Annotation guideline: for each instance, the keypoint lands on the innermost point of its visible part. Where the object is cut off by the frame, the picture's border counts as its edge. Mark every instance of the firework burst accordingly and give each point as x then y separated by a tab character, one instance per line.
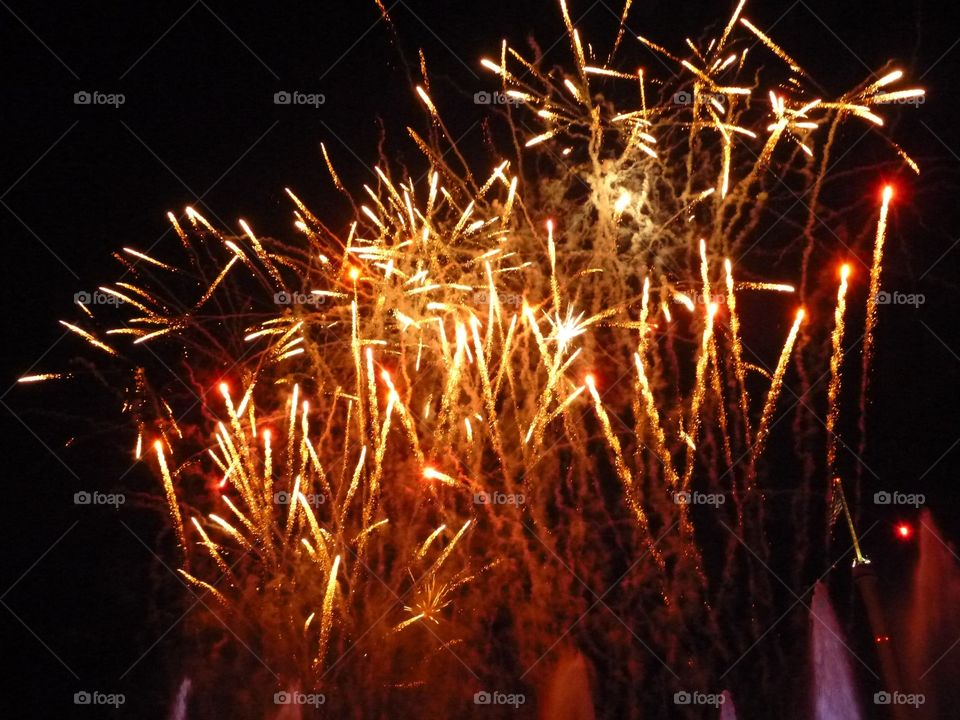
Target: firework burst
415	420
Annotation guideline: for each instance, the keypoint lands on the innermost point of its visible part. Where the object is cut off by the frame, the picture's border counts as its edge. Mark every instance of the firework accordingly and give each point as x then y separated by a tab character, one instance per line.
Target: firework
776	385
392	378
836	359
876	268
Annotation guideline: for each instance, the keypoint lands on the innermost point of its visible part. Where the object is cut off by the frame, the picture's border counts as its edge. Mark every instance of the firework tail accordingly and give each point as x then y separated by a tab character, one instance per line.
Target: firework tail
836	360
876	268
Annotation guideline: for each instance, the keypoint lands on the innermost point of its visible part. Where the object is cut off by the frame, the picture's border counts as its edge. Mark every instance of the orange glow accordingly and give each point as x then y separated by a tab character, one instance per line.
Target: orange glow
433	474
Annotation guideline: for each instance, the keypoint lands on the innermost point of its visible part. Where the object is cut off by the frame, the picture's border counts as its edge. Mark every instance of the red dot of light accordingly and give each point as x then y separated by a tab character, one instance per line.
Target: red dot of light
904	531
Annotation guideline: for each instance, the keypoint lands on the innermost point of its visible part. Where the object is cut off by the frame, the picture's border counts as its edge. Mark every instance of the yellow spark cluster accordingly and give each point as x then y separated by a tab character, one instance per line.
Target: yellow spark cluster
455	340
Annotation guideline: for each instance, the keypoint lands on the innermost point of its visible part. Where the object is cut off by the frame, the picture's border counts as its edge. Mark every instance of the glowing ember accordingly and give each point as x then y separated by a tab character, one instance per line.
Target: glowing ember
904	531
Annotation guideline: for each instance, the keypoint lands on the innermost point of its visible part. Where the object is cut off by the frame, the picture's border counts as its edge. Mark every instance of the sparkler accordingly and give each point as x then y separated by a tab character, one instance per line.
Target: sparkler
335	492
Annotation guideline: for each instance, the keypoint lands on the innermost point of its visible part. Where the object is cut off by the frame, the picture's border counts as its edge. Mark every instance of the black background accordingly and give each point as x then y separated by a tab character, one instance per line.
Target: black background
84	600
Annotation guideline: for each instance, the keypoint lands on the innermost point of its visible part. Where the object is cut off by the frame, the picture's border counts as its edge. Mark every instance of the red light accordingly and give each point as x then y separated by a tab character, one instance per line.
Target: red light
904	531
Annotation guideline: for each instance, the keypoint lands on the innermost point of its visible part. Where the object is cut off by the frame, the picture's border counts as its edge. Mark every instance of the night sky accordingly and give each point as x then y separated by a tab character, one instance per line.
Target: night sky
86	602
